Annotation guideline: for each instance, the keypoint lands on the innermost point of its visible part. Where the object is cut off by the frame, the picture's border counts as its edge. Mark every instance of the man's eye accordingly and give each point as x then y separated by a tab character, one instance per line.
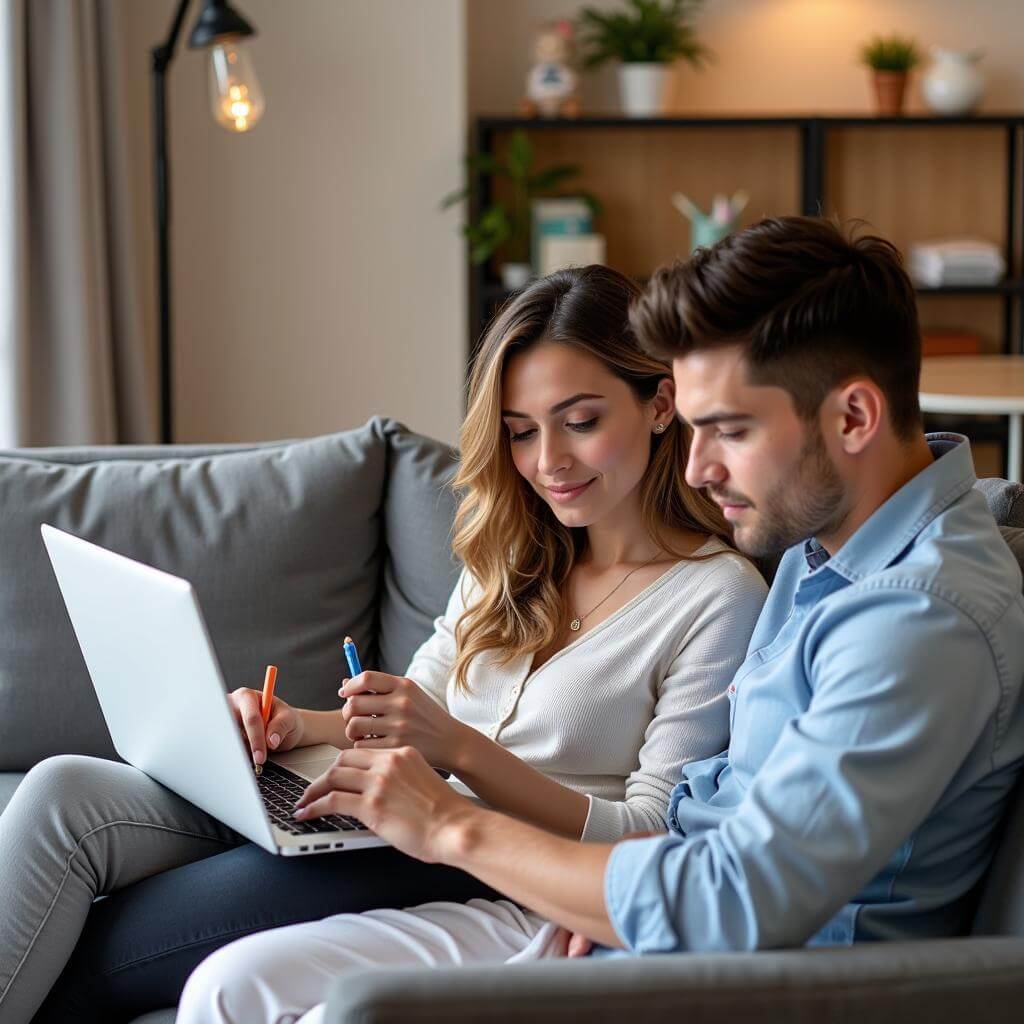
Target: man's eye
734	436
522	435
584	426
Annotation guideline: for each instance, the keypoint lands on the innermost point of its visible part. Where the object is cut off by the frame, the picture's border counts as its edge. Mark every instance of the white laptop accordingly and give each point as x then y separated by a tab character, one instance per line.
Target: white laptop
163	696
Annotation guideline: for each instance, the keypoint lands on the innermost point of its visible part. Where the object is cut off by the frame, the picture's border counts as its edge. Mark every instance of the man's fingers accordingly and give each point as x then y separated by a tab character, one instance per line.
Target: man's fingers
333	803
579	945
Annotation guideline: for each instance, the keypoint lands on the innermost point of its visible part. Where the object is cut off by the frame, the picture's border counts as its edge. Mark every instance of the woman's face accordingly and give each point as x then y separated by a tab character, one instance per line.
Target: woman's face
578	434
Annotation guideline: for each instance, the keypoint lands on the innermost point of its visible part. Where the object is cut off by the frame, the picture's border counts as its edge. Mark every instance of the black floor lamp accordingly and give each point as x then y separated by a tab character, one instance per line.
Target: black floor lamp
237	103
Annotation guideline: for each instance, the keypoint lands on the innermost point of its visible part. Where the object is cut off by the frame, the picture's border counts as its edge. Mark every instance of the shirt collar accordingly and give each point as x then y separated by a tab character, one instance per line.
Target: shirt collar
895	523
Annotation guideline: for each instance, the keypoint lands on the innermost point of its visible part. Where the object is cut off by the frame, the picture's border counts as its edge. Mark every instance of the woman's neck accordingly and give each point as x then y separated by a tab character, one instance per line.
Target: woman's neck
620	539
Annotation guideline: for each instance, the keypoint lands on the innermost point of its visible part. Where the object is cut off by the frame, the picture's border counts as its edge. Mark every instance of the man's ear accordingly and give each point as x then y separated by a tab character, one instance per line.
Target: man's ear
855	414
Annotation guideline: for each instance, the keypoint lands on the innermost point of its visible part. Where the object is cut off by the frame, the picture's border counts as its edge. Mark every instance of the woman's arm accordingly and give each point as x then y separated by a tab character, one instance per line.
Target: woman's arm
511	785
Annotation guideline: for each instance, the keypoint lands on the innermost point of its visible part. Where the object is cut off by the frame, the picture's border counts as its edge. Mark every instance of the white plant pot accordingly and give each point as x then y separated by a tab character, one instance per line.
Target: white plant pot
642	89
515	275
953	84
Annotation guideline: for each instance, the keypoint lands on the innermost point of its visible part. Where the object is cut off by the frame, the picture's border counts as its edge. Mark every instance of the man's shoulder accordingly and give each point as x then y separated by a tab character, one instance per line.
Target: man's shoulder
960	558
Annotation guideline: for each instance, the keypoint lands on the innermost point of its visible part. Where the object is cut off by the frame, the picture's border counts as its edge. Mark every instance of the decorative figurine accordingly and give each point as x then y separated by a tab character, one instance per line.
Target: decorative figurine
712	227
551	84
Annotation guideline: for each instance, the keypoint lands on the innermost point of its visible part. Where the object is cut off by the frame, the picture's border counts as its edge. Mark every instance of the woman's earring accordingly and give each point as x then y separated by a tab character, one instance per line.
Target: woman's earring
660	428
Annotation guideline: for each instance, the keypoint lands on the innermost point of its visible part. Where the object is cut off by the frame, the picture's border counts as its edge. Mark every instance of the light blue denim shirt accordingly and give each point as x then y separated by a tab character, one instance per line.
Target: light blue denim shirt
876	731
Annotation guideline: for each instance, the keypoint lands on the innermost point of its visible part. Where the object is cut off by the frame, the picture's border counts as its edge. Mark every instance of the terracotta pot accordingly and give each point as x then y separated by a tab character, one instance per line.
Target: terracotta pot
889	89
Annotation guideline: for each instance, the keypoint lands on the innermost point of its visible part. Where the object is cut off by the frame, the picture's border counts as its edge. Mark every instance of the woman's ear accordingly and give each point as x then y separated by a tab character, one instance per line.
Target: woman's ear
664	402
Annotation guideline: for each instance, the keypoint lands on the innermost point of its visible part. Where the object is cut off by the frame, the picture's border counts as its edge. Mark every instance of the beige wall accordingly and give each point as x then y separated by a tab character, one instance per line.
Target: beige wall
315	281
771	55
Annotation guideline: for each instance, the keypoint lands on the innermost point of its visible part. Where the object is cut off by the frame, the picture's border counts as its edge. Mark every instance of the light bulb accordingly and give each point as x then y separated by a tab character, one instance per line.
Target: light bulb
235	92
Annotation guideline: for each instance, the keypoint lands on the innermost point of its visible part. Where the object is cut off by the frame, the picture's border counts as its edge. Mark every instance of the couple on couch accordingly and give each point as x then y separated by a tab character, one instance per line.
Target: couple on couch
673	761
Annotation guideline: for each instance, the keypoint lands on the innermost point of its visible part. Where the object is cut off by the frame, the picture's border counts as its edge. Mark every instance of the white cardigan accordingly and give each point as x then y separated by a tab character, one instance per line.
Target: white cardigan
618	712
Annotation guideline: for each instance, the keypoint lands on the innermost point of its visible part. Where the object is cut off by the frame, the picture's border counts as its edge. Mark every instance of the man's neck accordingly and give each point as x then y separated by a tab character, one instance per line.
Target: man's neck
894	470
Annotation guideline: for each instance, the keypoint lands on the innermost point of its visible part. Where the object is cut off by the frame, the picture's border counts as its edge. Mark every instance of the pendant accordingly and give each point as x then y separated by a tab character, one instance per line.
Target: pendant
575	625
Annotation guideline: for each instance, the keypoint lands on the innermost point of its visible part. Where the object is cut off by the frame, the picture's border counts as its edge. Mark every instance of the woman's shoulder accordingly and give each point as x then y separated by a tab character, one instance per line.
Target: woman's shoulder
717	566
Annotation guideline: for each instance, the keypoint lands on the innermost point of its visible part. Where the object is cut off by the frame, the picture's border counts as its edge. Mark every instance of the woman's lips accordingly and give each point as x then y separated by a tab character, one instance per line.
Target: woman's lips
564	495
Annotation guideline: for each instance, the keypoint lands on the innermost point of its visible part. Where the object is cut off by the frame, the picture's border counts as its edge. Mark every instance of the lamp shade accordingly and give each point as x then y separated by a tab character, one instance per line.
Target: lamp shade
218	21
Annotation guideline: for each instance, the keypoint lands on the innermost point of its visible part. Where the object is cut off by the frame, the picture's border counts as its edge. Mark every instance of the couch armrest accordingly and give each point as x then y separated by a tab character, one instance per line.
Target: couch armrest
942	981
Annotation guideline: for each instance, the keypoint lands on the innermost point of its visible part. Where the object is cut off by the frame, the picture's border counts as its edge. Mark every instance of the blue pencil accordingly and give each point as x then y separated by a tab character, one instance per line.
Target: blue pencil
352	657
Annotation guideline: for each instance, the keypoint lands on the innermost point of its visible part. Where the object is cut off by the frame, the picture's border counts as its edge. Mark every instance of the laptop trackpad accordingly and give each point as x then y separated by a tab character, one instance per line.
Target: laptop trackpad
309	762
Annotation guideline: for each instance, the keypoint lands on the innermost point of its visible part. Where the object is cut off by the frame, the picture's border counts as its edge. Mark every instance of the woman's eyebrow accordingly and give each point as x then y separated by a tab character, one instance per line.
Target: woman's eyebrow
558	407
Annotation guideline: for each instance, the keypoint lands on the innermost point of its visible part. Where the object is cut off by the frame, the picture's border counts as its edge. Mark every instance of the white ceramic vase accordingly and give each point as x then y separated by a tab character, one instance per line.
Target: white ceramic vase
642	89
953	84
515	275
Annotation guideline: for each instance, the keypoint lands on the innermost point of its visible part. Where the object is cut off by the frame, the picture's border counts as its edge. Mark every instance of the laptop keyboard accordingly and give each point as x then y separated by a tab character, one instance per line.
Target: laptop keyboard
281	788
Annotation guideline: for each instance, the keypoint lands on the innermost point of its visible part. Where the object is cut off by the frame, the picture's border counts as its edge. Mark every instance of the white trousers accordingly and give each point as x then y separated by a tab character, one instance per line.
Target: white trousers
283	976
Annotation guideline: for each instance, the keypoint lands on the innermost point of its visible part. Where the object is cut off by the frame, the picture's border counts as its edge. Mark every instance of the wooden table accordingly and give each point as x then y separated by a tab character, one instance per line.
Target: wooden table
979	385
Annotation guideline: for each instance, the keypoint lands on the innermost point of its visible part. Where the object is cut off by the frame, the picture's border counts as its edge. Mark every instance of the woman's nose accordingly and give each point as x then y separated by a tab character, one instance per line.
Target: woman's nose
553	456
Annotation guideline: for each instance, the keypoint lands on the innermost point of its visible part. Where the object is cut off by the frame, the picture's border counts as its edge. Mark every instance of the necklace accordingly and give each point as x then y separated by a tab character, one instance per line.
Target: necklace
578	621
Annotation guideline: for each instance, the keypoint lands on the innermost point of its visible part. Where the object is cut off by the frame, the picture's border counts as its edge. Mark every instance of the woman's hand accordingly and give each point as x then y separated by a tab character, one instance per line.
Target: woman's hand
284	727
385	712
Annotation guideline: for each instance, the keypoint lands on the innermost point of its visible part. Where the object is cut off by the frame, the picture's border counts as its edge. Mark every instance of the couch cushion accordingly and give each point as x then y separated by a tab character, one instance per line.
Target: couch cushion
1006	500
419	571
1001	909
281	542
9	782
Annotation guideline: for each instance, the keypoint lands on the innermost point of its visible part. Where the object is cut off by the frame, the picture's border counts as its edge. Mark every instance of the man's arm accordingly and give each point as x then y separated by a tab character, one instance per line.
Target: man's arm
903	686
400	797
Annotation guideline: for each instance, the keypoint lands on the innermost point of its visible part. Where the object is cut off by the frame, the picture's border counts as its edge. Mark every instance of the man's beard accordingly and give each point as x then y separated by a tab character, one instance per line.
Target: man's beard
810	500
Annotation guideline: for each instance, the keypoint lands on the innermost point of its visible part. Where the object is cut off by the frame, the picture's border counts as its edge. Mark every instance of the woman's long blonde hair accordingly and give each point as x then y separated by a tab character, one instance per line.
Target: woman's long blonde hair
514	548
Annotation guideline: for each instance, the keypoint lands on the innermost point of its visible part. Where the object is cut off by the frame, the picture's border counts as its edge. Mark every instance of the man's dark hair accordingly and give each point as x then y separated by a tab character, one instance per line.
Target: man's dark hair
811	304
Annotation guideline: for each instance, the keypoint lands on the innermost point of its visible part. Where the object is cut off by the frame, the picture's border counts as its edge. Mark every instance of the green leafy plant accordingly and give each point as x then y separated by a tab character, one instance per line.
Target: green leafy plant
647	31
890	53
507	225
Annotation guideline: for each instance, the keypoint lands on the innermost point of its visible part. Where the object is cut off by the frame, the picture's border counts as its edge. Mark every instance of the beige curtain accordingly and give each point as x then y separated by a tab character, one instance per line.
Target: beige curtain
77	350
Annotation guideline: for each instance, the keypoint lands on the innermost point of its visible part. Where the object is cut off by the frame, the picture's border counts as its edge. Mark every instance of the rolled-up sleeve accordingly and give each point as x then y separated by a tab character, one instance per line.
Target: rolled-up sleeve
902	685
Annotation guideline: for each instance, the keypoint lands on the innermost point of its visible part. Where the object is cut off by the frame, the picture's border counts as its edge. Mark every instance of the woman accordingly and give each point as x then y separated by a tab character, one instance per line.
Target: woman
583	657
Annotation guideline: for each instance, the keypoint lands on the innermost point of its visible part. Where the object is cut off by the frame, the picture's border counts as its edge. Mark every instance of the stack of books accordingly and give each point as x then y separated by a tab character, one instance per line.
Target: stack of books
562	235
959	262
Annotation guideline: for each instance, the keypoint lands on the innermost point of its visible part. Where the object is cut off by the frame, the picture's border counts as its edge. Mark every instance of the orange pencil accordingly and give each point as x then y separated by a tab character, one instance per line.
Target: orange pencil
268	693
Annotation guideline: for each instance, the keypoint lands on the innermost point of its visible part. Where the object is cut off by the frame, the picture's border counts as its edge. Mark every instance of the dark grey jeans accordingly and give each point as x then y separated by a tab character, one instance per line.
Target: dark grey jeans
178	885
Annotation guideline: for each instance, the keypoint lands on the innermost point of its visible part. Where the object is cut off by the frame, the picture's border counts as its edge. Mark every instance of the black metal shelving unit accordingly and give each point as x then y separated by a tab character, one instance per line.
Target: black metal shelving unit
487	294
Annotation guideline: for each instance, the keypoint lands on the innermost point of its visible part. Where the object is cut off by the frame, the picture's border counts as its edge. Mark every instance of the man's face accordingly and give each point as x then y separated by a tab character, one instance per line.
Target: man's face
770	472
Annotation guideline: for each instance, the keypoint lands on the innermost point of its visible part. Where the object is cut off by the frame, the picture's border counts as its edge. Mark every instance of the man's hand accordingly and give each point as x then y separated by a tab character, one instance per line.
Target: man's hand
395	793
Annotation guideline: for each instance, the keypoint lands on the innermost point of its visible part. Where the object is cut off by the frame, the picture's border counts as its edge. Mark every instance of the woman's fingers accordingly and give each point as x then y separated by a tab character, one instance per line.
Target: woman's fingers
364	728
370	682
368	704
378	743
252	724
280	726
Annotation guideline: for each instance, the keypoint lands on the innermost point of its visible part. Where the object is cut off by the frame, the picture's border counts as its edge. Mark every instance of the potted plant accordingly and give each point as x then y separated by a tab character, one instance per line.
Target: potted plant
503	228
891	59
645	38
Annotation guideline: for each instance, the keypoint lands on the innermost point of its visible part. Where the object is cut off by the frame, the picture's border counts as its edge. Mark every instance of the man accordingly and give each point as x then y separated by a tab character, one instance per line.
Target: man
876	726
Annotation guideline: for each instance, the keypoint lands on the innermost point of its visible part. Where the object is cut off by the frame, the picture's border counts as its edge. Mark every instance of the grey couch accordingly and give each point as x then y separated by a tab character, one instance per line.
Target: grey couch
353	530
